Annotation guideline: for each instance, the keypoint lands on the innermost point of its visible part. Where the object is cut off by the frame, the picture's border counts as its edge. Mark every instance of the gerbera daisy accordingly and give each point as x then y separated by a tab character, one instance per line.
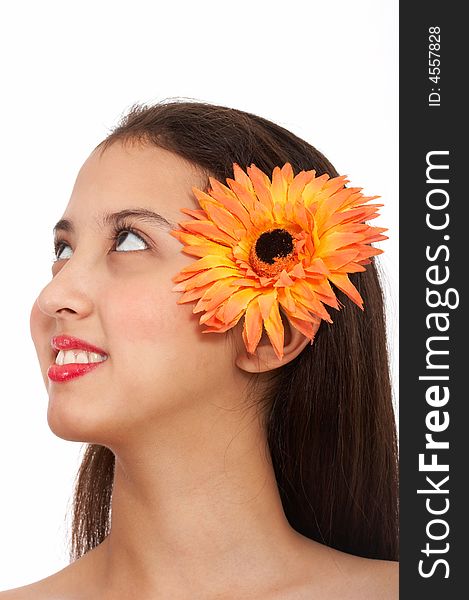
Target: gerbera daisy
269	245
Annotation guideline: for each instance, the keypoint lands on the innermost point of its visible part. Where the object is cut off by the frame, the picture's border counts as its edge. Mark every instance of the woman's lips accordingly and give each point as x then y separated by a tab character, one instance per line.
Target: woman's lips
61	373
70	342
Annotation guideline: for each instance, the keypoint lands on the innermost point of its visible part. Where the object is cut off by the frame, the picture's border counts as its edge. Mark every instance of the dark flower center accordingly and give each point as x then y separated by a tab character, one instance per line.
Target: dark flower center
272	252
275	243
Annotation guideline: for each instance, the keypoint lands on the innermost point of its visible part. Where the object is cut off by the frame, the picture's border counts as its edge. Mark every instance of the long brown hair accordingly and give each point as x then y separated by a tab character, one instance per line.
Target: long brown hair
329	416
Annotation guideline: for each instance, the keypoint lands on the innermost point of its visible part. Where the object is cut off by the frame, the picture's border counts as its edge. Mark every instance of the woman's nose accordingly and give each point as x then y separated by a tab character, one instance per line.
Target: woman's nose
68	294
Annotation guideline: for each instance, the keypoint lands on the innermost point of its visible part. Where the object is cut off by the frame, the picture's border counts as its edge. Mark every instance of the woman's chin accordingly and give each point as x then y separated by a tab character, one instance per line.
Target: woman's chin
74	423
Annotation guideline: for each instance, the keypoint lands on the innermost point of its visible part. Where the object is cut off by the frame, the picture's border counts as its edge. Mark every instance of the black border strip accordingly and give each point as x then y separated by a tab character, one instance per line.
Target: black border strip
434	360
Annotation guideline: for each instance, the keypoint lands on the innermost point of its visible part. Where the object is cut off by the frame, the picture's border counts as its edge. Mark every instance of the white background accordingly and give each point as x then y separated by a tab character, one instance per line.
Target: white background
326	71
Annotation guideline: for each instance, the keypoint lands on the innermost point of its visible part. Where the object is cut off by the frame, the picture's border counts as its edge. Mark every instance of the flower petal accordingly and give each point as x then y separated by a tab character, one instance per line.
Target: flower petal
209	230
262	185
252	328
272	320
237	302
208	262
208	276
304	327
215	294
342	281
340	258
222	218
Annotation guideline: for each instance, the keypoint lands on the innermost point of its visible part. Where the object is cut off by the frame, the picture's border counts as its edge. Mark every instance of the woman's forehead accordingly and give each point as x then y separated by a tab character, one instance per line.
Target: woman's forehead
126	176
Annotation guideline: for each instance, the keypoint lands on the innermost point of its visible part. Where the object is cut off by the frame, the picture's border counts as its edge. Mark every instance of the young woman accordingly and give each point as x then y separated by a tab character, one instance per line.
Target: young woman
257	461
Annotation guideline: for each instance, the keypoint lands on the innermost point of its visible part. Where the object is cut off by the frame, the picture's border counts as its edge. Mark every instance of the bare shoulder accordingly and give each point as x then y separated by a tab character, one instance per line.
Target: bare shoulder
52	587
24	592
366	578
36	590
336	575
73	582
379	579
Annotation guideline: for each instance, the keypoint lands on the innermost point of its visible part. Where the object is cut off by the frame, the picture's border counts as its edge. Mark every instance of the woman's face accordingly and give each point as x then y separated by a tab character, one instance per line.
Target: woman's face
116	294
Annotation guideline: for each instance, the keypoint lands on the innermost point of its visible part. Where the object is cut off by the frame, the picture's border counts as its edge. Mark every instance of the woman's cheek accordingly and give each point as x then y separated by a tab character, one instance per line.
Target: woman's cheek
139	314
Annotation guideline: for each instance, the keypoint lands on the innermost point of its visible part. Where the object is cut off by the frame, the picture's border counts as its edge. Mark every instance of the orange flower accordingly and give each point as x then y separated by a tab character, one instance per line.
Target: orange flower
266	244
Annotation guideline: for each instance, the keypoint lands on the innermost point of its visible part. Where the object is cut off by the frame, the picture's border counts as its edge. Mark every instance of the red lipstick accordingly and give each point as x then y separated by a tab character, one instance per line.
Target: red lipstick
61	373
69	342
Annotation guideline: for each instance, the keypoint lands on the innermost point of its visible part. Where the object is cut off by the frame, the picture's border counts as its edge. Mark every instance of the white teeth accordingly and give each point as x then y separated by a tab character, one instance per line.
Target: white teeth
81	357
77	356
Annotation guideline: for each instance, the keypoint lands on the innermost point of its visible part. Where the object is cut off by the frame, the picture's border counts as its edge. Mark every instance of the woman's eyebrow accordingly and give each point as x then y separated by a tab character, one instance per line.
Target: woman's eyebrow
116	218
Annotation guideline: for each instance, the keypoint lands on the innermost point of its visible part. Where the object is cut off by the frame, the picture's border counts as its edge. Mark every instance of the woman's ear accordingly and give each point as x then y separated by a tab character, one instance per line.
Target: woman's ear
264	358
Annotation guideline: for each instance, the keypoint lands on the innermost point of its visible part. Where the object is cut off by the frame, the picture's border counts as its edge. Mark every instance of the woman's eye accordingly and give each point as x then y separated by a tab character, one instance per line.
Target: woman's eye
59	246
126	237
141	241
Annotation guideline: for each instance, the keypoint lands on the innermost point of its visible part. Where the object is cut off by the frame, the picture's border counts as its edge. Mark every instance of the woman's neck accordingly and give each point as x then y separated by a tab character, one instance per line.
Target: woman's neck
195	506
